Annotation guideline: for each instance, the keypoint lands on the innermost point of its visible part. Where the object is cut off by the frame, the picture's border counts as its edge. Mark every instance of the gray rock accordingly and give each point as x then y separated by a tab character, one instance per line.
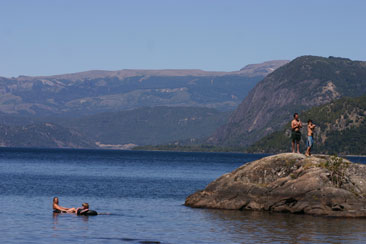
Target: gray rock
316	185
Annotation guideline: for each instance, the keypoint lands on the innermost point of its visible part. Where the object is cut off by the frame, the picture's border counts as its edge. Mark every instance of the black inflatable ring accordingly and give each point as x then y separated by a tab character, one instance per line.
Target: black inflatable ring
88	213
58	211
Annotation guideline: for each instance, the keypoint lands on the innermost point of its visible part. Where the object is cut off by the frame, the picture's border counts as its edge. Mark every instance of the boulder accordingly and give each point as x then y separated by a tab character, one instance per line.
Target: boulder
289	182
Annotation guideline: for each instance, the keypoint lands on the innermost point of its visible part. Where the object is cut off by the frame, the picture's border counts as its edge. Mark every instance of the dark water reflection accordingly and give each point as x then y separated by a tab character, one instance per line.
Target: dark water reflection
265	227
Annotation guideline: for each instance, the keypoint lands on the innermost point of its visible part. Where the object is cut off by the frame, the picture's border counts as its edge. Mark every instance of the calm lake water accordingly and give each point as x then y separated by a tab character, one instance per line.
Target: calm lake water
143	195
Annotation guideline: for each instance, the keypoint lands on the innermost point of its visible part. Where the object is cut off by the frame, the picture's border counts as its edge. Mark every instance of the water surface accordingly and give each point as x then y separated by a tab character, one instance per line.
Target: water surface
142	194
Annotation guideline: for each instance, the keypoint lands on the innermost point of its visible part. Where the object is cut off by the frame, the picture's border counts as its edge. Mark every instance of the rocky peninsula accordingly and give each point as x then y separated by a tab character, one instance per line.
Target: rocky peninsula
317	185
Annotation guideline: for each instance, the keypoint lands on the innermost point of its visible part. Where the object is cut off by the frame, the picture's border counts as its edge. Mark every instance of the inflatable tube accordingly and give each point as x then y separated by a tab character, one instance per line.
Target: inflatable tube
88	213
58	211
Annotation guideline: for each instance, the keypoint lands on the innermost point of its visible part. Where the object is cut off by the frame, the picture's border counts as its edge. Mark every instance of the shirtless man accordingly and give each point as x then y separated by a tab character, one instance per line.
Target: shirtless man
296	133
310	140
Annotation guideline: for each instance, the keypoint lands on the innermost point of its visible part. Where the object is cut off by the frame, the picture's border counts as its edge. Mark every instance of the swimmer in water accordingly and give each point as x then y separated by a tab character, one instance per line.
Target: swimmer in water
57	208
83	209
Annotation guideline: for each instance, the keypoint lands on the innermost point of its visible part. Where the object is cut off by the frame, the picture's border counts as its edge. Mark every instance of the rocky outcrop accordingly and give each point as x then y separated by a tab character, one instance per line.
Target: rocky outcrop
316	185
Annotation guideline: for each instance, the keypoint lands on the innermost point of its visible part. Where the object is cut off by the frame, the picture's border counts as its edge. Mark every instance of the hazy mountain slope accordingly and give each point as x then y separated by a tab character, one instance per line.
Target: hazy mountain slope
100	91
16	120
341	129
304	82
149	126
251	70
44	135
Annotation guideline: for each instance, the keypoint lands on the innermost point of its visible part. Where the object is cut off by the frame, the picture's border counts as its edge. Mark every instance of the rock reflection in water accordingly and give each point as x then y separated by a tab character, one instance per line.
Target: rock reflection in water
266	227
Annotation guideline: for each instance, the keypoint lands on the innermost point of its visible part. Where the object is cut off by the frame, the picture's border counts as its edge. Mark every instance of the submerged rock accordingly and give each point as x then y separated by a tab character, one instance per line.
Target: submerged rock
317	185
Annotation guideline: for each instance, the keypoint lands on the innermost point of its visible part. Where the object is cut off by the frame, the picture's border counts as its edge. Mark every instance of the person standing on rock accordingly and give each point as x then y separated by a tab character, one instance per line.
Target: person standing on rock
296	133
310	140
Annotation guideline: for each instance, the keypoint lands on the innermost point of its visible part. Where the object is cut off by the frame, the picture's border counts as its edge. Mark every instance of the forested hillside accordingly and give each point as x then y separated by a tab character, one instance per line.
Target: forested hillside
149	126
341	129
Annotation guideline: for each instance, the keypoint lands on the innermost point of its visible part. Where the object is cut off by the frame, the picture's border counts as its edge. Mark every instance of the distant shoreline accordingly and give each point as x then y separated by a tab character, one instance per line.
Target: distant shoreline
153	150
220	150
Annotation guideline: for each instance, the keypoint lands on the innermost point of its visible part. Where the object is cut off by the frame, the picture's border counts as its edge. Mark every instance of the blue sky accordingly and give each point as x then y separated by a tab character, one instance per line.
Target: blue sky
55	37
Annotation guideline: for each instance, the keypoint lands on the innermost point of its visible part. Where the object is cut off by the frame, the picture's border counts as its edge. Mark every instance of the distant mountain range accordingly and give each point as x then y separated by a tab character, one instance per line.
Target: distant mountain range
119	109
189	109
303	83
99	91
341	129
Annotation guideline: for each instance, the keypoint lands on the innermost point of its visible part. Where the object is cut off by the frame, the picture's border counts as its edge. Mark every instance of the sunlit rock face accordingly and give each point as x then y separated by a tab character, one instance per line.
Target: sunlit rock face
316	185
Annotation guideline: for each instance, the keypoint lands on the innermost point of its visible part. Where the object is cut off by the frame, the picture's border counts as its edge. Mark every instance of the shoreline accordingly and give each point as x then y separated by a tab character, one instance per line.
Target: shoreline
161	150
228	151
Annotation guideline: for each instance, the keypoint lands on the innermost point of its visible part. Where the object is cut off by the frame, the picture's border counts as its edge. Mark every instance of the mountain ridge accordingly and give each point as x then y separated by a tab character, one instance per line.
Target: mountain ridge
103	91
253	69
304	82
